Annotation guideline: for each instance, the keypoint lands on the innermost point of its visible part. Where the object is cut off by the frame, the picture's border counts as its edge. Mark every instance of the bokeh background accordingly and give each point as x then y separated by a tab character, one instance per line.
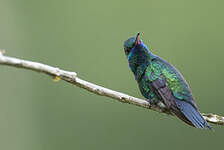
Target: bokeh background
87	37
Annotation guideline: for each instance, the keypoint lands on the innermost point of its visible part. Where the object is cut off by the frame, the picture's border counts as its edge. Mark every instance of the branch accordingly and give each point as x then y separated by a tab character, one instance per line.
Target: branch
71	77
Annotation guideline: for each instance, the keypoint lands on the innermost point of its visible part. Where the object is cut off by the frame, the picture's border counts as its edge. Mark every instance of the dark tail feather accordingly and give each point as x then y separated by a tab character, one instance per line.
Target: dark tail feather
190	115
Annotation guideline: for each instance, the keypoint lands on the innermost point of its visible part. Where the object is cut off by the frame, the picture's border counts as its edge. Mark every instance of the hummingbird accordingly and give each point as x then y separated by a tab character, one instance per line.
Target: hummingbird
159	81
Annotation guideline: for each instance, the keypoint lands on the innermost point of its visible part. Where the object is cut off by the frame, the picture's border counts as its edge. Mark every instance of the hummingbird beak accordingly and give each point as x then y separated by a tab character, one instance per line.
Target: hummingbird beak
137	41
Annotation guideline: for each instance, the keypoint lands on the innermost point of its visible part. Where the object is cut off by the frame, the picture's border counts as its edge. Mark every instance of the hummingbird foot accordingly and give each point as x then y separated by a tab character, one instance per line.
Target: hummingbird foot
150	102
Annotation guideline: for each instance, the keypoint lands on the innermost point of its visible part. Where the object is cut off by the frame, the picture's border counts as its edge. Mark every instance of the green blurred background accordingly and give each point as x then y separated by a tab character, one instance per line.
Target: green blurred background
87	37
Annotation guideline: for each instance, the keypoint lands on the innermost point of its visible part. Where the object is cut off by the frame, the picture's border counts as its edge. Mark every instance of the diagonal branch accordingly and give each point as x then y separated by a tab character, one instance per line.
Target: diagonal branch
72	78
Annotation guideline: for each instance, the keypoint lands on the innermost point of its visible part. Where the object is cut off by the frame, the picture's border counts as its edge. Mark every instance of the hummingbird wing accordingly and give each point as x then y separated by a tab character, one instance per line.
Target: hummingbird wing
174	80
182	109
169	85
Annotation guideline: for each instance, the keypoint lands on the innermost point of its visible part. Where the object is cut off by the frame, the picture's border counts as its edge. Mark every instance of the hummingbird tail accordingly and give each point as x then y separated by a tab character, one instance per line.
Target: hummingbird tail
190	115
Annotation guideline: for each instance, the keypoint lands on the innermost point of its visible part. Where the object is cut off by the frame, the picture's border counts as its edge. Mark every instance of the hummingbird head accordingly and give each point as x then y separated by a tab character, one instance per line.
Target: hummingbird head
130	43
137	53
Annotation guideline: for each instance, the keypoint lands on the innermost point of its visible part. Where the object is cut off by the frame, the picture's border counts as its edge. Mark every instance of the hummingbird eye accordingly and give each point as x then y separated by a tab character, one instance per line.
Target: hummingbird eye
127	51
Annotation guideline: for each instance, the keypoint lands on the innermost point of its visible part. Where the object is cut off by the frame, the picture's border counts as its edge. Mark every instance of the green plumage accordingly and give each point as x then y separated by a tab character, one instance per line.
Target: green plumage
160	81
158	69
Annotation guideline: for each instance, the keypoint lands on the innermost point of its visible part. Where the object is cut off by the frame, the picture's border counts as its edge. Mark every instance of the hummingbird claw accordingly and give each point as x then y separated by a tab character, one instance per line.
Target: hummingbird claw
150	103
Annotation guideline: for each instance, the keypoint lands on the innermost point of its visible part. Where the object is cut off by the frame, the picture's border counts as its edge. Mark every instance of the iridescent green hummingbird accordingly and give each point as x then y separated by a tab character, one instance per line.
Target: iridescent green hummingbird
160	81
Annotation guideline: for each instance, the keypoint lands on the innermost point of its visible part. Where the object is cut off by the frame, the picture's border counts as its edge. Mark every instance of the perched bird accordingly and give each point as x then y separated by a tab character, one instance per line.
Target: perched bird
160	81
